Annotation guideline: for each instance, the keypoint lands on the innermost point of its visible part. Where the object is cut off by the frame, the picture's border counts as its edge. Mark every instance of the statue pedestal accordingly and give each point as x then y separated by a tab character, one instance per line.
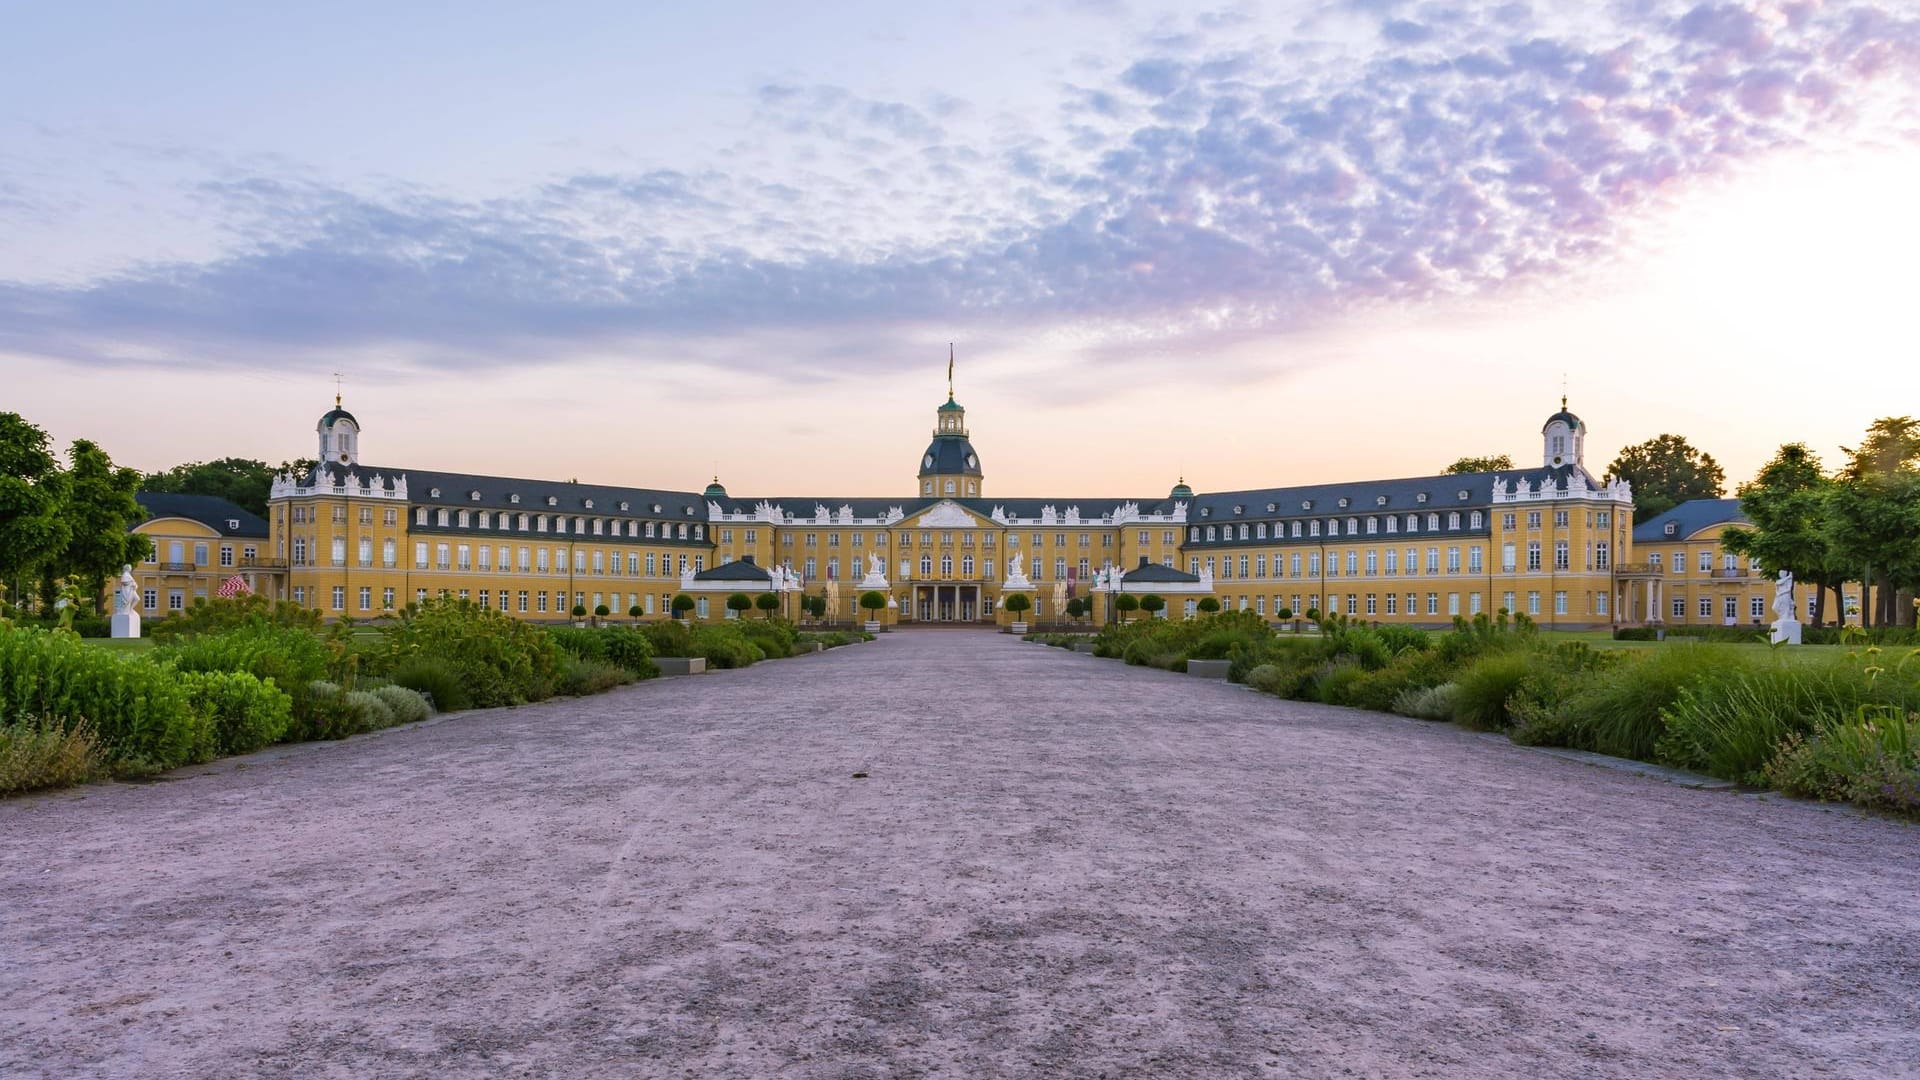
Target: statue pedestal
126	624
1786	632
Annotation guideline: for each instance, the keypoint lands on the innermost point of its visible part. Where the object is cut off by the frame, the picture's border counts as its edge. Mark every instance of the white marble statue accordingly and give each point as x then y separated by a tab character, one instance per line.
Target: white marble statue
1016	567
1786	627
1206	578
127	596
876	572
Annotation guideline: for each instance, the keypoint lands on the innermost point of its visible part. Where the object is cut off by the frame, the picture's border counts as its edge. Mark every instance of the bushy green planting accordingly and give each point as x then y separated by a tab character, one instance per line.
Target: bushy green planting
244	713
290	657
1430	703
37	753
630	650
138	709
407	706
500	660
775	638
580	677
1867	759
220	614
726	645
435	678
1732	724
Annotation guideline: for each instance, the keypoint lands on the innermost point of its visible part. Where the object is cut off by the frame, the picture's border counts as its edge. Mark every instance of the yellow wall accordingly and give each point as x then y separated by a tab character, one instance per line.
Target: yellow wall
190	561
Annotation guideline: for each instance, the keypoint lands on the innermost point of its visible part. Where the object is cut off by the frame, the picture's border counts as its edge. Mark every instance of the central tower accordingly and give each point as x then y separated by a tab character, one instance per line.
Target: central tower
950	469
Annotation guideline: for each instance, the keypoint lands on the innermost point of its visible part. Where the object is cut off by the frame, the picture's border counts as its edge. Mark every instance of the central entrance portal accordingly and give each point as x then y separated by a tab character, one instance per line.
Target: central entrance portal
947	603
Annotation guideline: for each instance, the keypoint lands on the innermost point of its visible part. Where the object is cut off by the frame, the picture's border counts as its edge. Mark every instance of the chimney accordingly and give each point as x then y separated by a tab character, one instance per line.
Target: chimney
748	559
1143	561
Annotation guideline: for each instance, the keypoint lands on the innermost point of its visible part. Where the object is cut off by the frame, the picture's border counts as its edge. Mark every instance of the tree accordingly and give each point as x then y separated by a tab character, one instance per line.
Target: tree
1495	463
1666	471
579	611
682	603
1124	603
873	600
1076	607
767	602
1017	603
33	531
1152	605
242	481
1787	501
739	603
99	508
1873	517
634	612
1208	605
601	611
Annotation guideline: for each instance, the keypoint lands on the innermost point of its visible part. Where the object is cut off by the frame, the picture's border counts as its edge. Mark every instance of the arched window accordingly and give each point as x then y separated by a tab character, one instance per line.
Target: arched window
946	565
1453	519
973	488
1433	522
926	566
926	487
966	566
949	489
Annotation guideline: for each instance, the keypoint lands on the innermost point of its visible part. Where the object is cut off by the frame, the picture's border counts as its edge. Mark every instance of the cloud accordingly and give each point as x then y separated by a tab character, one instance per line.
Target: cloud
1213	188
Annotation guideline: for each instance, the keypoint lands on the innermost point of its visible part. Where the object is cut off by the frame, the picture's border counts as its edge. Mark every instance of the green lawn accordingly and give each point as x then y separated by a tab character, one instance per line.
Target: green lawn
139	644
1603	639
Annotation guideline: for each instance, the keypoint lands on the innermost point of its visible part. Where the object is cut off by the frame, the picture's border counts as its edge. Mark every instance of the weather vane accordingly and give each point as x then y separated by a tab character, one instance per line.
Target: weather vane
337	379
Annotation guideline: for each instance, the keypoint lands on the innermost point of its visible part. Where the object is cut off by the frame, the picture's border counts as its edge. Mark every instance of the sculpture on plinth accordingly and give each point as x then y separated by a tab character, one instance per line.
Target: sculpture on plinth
876	573
1786	628
1017	580
126	605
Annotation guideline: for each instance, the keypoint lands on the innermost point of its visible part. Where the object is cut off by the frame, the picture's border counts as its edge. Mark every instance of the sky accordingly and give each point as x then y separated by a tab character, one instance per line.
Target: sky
1250	245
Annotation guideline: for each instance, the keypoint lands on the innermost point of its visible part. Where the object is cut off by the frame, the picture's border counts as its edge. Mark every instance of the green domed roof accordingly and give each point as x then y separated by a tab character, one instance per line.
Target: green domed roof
951	405
1181	490
715	491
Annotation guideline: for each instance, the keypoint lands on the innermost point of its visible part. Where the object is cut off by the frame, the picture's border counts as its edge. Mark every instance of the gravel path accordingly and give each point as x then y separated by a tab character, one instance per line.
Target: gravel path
1057	866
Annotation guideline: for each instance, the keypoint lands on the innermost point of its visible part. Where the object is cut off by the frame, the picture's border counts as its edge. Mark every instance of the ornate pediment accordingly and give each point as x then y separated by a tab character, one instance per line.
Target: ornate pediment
950	515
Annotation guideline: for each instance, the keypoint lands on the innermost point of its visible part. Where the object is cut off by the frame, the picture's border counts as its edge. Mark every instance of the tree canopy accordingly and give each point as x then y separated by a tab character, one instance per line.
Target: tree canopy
1494	463
1666	471
242	481
33	532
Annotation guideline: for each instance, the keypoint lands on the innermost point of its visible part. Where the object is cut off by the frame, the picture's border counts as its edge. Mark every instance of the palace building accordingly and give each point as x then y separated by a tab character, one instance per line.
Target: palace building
1549	540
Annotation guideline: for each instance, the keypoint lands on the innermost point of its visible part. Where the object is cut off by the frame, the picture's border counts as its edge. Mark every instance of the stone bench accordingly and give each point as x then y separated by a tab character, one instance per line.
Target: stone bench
1208	669
681	665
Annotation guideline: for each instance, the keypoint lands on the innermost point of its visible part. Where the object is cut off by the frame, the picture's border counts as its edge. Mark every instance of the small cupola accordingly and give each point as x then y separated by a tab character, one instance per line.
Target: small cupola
1563	439
715	491
1181	490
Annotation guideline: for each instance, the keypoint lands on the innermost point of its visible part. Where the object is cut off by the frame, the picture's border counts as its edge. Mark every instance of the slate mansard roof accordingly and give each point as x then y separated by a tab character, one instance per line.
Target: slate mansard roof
499	492
215	513
1155	574
1379	496
1689	518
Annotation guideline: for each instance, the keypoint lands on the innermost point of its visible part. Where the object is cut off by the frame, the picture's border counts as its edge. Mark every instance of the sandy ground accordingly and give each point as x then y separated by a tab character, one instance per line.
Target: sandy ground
1057	866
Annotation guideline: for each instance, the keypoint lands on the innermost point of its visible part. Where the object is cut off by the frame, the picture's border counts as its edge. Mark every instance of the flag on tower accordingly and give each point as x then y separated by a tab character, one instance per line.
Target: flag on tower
234	586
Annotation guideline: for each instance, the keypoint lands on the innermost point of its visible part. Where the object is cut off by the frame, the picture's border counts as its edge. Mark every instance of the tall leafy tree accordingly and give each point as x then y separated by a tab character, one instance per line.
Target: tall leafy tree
1873	519
1666	471
1787	503
33	532
99	509
242	481
1496	463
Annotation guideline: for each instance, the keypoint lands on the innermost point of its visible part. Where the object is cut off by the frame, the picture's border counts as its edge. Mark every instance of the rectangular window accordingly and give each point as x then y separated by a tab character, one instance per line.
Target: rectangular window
1706	607
1757	608
1533	603
1679	609
1508	558
1600	603
339	597
150	599
1453	560
1453	603
1393	599
1433	603
366	598
1393	562
1372	604
1506	603
420	555
1706	562
176	599
1533	555
1560	603
1474	564
1473	603
1562	557
386	598
1433	560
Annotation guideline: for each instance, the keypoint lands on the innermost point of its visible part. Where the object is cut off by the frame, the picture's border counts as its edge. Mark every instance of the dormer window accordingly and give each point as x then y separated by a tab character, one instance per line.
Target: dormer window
433	493
1379	500
1672	528
623	506
1306	504
1463	495
1206	511
1420	498
473	496
1343	502
514	499
589	503
656	508
1272	507
553	500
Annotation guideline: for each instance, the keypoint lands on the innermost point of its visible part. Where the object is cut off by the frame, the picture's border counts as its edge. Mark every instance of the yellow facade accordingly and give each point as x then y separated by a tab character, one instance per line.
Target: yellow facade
198	543
363	541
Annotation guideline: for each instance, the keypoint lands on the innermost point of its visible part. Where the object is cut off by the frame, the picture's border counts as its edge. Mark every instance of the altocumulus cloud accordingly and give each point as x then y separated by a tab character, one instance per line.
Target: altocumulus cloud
1209	184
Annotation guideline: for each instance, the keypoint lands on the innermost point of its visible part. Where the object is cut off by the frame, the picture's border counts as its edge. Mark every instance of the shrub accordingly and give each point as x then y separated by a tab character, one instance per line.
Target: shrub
500	660
740	603
339	713
243	713
291	657
406	706
1431	703
1868	759
775	638
630	650
1484	688
434	679
1152	605
1335	681
36	753
768	603
1018	604
137	708
374	710
221	614
579	611
1732	724
1208	605
579	642
672	638
725	646
682	603
581	677
635	611
1621	714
